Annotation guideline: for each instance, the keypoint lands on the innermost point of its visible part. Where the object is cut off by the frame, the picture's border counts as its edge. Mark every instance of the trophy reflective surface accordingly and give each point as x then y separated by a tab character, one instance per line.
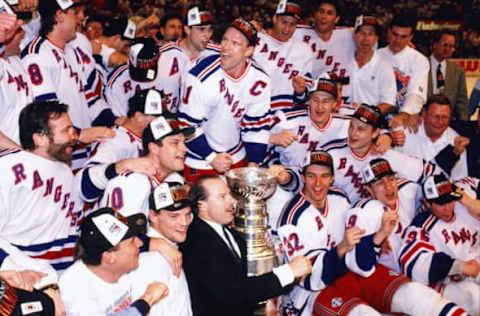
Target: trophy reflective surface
251	187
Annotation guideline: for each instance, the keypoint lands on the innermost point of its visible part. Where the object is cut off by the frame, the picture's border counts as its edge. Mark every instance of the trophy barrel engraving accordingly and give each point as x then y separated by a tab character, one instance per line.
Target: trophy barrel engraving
251	187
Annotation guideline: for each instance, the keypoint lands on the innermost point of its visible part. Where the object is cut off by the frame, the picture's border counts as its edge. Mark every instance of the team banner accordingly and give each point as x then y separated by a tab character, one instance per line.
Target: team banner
470	65
430	25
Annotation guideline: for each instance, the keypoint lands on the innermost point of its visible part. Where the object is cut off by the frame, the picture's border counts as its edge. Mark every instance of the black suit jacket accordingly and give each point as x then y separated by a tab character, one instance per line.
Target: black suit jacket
217	280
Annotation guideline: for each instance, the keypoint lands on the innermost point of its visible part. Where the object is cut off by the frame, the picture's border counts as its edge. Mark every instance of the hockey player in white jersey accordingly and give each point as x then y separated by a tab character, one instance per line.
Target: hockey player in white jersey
121	153
441	246
372	80
164	144
227	97
148	67
54	72
398	197
332	47
35	179
411	70
15	89
351	155
311	226
283	57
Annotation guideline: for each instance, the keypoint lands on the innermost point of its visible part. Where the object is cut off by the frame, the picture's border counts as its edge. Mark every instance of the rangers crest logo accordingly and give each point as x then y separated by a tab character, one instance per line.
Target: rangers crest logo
337	302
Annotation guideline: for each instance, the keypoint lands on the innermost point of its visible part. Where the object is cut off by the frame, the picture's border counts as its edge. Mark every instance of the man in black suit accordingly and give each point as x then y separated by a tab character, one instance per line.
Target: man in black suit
215	258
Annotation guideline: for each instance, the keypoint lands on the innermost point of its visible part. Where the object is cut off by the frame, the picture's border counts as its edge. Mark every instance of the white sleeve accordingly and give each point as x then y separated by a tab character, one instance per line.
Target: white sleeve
388	91
417	87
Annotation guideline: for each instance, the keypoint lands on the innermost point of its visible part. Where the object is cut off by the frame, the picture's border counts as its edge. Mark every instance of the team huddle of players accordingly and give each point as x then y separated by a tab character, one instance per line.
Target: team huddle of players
374	201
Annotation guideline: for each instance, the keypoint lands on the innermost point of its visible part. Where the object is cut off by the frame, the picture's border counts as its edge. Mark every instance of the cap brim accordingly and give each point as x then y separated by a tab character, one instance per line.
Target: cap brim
447	198
383	174
178	205
187	132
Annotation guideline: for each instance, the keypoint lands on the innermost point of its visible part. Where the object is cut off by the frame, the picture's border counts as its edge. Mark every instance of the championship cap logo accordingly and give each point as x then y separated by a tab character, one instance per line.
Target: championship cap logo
160	127
162	196
110	227
153	102
65	4
5	8
130	30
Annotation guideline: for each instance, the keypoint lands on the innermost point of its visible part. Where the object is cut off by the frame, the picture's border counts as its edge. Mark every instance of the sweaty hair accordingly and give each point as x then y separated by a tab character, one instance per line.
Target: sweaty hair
438	99
405	20
198	191
34	118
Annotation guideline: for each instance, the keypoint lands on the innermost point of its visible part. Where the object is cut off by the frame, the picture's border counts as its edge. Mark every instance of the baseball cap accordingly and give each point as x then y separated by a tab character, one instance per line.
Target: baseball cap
362	20
369	114
440	190
324	83
122	26
170	196
162	127
105	228
144	56
375	170
318	157
291	8
199	16
247	29
149	102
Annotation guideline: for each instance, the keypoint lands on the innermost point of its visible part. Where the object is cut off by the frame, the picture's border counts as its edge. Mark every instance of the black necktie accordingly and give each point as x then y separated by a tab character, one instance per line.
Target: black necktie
227	237
440	78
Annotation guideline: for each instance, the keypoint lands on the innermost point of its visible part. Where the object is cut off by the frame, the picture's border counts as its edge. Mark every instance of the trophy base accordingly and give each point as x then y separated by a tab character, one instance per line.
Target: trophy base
261	262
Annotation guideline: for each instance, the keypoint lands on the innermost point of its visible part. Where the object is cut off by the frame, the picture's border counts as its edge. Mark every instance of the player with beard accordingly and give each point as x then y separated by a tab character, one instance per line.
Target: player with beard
35	179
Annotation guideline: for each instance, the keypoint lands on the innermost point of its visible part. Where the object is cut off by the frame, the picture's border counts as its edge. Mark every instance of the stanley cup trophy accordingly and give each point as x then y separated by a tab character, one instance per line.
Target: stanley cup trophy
251	187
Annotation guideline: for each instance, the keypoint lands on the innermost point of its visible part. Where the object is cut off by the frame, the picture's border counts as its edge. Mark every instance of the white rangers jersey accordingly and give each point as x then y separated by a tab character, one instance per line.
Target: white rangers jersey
348	166
56	73
420	145
129	193
373	83
332	56
431	245
40	210
121	87
85	294
411	73
367	214
283	61
470	185
310	135
15	94
305	230
100	112
230	114
125	144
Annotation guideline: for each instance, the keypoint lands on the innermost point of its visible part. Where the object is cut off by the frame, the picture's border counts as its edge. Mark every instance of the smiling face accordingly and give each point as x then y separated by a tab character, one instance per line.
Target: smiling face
321	105
235	50
436	119
62	138
385	190
170	155
283	27
317	179
325	18
218	206
172	224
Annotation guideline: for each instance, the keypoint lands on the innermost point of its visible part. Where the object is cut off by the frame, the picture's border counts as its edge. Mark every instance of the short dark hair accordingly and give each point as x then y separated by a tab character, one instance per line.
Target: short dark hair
47	22
34	118
405	20
438	35
198	191
438	99
316	5
79	253
170	15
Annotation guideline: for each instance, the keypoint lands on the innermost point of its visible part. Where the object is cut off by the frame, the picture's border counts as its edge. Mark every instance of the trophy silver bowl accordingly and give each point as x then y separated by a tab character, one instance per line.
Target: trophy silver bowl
251	187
